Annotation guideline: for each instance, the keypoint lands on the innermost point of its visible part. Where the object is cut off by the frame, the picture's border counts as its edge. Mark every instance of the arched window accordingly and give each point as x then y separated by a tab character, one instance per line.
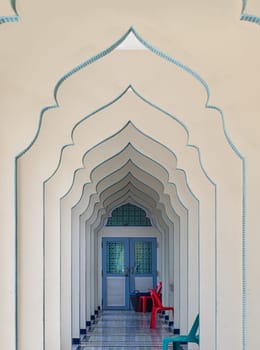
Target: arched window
128	215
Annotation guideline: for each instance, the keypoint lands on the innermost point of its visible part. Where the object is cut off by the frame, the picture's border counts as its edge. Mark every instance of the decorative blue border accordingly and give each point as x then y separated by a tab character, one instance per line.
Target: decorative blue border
149	137
138	203
189	145
10	19
128	145
153	50
247	17
119	169
137	167
207	106
130	174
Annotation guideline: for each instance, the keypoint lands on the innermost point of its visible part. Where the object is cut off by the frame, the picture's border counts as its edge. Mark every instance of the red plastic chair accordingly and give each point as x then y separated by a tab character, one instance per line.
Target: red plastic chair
142	305
157	306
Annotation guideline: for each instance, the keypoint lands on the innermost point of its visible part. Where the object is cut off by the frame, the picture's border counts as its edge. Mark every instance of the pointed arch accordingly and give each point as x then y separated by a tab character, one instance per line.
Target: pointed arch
42	177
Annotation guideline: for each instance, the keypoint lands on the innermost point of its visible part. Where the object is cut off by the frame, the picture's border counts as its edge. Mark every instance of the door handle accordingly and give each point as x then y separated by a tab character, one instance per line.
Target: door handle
126	271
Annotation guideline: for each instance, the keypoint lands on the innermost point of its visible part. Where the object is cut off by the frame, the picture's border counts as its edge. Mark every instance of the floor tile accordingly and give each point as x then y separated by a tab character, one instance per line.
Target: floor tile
124	330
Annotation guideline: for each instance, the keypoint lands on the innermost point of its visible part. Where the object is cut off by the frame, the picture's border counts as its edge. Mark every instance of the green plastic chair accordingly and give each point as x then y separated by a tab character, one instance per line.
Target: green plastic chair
192	337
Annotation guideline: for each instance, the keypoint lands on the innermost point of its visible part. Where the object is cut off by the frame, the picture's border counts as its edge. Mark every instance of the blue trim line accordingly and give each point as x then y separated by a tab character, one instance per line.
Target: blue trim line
13	4
207	105
130	87
243	5
10	19
123	196
106	52
129	174
250	18
247	17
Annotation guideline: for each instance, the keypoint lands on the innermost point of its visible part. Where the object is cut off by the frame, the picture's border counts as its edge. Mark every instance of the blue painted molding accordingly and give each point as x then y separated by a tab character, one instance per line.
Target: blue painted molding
138	95
6	19
10	19
129	175
127	188
109	50
206	105
123	197
124	193
248	17
13	4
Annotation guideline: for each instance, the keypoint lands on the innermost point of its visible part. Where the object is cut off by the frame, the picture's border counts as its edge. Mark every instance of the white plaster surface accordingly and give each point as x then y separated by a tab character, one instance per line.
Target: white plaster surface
53	37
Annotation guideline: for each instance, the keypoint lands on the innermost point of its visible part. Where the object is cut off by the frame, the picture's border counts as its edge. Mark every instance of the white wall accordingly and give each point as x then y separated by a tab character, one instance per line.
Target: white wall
51	39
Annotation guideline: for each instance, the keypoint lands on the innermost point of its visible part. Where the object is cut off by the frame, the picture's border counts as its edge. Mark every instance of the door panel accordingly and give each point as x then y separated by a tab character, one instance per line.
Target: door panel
128	264
116	291
115	267
142	263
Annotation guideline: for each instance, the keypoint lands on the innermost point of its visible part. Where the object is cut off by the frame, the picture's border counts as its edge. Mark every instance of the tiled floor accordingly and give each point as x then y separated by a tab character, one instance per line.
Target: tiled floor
124	330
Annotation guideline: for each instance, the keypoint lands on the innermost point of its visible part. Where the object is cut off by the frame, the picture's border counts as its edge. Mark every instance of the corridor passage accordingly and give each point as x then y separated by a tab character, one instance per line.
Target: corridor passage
124	330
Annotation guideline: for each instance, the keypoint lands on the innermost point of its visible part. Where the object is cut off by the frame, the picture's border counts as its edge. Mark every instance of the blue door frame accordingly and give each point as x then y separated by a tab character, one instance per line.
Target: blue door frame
127	263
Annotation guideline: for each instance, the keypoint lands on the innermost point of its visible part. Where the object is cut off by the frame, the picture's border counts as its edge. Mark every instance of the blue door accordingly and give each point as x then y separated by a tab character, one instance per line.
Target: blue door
128	264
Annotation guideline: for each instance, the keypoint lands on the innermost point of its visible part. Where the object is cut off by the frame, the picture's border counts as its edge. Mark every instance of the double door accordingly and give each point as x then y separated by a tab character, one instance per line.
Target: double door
128	264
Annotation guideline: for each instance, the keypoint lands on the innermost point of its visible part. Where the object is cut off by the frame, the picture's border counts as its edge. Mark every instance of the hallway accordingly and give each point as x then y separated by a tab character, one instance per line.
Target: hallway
124	330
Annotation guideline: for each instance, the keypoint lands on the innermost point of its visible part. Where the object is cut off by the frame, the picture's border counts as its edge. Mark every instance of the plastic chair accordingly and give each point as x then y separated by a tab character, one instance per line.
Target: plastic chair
144	298
157	306
192	337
